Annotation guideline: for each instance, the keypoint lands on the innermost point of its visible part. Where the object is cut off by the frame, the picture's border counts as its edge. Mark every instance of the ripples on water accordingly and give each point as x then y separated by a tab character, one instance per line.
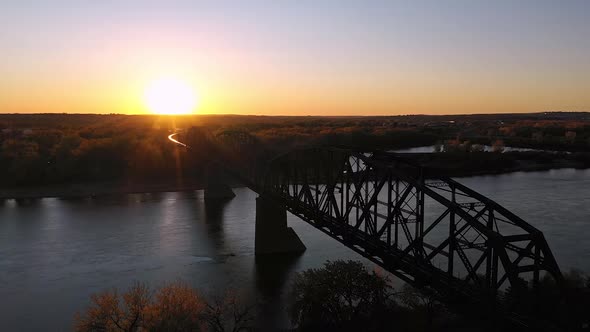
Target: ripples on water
54	253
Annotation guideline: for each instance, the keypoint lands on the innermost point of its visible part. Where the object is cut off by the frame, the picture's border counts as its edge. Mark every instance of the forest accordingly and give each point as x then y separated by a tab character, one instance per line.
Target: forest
54	149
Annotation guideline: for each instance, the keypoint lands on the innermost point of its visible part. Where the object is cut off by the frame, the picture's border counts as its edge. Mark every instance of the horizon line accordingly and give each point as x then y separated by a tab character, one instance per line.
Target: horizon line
291	115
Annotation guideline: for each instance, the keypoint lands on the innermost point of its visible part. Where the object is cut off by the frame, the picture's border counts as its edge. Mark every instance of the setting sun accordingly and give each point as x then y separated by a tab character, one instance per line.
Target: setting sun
170	96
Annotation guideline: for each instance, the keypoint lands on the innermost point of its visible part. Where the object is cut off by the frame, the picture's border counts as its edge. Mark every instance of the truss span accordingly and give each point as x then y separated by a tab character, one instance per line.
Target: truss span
427	230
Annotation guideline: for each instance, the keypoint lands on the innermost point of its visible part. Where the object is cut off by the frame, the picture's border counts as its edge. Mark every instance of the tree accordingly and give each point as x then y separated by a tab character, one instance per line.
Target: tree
565	304
342	295
498	146
477	148
175	307
228	314
424	299
111	312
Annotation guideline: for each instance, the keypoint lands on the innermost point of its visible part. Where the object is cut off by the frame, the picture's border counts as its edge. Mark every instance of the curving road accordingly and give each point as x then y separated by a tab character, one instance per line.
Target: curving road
171	138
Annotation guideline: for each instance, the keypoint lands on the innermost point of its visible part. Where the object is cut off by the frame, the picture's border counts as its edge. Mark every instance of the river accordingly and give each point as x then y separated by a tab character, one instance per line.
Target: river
485	148
54	253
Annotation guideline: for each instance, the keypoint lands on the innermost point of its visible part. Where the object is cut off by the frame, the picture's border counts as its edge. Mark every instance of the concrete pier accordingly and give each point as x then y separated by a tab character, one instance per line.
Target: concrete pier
272	234
218	192
217	189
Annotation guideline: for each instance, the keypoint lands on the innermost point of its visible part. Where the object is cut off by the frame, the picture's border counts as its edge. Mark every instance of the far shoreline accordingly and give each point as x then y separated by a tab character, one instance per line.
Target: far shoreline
523	169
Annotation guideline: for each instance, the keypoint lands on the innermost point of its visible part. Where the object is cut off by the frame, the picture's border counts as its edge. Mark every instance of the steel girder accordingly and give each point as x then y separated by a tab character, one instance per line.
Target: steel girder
426	230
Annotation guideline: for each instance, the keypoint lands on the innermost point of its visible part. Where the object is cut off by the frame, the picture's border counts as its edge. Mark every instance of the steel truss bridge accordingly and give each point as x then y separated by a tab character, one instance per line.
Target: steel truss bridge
427	230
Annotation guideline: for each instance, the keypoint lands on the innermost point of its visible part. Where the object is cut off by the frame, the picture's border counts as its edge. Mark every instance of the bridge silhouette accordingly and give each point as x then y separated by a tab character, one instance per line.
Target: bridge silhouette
427	230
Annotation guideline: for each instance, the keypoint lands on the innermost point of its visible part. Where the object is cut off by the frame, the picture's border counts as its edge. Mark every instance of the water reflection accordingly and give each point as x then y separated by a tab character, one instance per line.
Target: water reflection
214	218
214	221
273	273
24	202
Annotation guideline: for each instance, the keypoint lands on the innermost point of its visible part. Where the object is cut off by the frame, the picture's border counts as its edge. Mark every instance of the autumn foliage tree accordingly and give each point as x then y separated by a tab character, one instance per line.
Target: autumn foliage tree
343	296
173	308
111	311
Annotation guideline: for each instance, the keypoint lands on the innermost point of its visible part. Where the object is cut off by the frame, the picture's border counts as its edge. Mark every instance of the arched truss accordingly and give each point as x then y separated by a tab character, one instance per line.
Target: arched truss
427	230
432	231
240	154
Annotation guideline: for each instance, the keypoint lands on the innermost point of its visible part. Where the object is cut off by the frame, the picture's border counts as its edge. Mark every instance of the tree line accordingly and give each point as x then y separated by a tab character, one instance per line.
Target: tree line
340	296
64	148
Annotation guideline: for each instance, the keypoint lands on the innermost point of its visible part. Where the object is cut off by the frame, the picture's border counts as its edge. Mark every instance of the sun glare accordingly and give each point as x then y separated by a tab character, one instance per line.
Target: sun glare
170	96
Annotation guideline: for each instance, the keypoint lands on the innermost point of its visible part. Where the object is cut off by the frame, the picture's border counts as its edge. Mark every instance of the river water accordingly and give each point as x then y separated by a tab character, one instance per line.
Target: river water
54	253
486	148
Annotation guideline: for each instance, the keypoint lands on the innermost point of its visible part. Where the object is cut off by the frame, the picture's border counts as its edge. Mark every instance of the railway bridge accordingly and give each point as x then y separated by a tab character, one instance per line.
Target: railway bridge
427	230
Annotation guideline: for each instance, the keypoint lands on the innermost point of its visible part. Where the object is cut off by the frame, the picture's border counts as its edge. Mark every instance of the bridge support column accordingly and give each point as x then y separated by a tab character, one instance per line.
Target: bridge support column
272	234
217	189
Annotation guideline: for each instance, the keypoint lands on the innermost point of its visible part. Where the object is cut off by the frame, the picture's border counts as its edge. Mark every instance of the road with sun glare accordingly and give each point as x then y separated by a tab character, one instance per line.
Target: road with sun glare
171	138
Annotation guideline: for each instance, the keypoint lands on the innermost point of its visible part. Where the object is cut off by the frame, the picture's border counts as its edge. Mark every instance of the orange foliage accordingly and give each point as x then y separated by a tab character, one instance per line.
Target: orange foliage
174	307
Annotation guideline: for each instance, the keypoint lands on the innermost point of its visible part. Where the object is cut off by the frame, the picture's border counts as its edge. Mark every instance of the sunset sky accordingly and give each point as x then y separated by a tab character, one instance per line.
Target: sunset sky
298	57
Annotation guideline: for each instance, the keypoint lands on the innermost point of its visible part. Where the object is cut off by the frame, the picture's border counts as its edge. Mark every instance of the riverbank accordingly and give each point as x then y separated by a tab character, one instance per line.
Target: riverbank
532	167
465	164
523	168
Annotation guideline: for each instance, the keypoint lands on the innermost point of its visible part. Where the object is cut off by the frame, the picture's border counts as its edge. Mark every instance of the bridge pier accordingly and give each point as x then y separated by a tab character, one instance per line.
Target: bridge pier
217	189
272	234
